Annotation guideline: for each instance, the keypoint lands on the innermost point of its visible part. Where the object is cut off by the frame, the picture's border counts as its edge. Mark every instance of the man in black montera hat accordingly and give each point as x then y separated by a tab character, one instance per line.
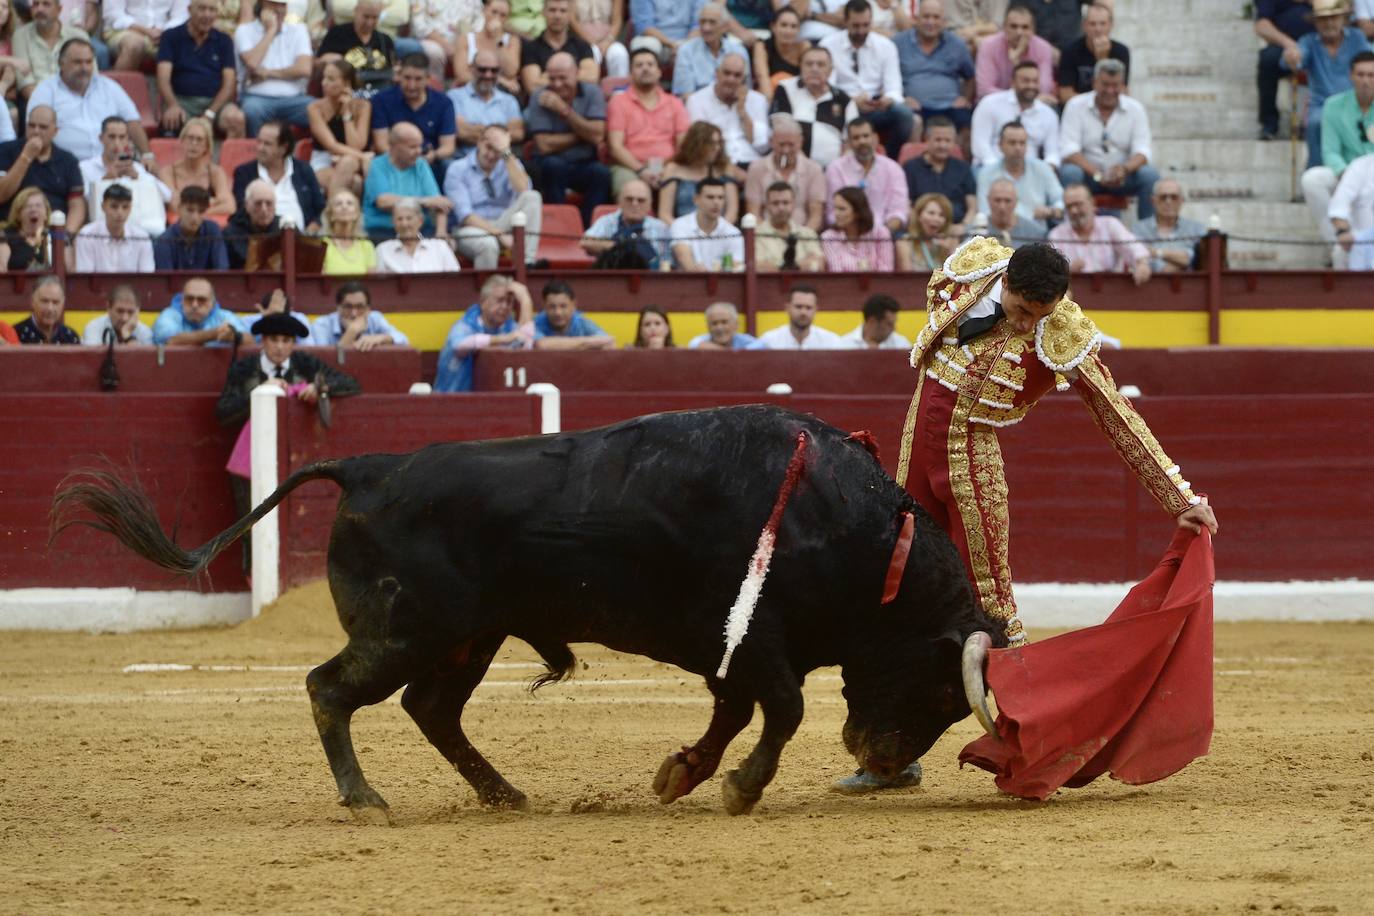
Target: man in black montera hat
277	364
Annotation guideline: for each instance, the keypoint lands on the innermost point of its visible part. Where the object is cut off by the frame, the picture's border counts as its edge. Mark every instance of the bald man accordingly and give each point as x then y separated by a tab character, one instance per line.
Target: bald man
567	119
401	173
33	161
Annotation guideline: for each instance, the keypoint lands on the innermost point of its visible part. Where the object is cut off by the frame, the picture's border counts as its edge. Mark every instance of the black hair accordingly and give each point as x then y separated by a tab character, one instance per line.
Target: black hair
1039	272
806	288
878	305
1014	122
861	119
349	288
117	192
558	288
710	181
778	186
74	41
1019	8
1026	65
195	196
286	133
1363	57
112	119
638	51
416	61
856	7
938	121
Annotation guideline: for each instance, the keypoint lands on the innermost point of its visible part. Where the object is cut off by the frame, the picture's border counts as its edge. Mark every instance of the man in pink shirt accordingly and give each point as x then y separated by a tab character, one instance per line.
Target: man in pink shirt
643	125
880	178
999	54
1098	244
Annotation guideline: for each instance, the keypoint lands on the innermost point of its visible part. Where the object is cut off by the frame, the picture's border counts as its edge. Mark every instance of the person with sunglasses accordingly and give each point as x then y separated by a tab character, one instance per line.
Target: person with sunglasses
1104	139
1170	236
483	102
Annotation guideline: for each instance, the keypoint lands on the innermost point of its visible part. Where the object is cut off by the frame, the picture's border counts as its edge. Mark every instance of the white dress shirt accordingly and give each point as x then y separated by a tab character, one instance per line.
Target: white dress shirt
79	116
1126	132
153	14
98	253
878	75
1353	200
855	340
709	248
151	196
291	42
705	105
999	108
288	204
431	256
817	338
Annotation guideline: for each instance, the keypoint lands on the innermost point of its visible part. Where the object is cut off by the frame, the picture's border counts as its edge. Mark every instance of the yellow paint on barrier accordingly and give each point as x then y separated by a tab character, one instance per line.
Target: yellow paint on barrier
1297	327
1138	329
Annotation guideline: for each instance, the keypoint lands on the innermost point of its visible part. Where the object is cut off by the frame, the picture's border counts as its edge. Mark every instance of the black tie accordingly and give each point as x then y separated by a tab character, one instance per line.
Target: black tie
281	373
975	326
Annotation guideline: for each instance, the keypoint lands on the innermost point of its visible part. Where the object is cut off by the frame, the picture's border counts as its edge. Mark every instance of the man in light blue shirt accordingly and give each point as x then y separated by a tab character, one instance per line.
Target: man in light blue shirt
936	67
196	319
632	226
722	330
1325	56
560	326
400	174
1039	195
500	319
482	102
486	189
355	325
698	57
83	99
663	25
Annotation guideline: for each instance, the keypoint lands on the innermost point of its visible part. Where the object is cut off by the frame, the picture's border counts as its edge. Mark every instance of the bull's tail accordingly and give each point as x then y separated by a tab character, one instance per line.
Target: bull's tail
104	501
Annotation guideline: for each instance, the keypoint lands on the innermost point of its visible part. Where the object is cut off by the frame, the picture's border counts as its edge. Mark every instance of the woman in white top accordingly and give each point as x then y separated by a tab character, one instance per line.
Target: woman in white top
599	23
409	252
492	36
440	24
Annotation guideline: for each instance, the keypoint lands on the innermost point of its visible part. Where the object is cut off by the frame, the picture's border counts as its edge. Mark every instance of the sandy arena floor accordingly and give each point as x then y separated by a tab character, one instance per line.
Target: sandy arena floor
167	791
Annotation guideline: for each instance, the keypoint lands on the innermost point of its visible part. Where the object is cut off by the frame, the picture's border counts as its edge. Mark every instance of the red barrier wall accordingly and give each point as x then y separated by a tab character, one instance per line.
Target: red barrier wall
1288	473
1202	371
387	370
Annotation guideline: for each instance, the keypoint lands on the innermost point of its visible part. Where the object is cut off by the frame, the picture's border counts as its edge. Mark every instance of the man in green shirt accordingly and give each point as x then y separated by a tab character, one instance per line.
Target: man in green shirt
1347	134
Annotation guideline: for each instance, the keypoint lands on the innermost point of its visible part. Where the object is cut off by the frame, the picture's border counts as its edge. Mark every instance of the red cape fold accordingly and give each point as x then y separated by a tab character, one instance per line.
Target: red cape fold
1131	697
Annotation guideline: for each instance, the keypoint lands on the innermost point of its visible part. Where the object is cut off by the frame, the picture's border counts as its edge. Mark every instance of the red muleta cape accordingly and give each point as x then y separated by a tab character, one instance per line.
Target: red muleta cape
1131	697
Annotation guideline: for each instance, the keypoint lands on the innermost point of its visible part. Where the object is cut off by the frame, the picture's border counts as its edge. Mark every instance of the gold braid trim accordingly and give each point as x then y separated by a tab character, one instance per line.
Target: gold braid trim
1132	438
1065	337
909	433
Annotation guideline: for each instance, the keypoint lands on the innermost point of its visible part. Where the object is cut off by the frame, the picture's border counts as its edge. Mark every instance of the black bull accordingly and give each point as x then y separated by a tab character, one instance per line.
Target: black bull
635	536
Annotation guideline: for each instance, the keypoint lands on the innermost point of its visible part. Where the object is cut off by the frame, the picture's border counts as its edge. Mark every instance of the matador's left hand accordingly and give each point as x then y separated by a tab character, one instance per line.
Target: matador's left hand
1198	516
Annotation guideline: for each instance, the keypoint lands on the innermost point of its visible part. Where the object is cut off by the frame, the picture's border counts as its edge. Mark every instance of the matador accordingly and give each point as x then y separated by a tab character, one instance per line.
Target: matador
1000	334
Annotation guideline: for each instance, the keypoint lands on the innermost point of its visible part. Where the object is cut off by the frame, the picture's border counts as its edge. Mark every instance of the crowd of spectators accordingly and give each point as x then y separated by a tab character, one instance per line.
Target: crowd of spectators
860	135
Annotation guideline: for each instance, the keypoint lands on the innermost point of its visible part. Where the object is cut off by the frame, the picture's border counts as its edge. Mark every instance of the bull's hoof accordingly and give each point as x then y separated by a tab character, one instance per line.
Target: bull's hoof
738	800
673	779
505	799
371	815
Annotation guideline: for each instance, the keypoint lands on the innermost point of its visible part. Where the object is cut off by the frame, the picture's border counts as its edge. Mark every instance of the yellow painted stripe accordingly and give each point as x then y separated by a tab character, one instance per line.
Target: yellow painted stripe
1239	327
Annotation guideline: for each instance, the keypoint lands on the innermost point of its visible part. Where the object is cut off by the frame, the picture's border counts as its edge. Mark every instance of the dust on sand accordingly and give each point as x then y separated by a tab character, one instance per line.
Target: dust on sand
162	791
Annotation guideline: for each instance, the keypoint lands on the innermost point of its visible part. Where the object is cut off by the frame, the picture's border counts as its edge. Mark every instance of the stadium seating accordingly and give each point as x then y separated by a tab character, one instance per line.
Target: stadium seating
136	85
910	151
562	227
234	153
603	209
166	150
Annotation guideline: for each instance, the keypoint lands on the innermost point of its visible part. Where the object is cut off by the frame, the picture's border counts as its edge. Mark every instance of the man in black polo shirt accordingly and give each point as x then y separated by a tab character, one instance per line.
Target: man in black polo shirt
196	73
45	325
557	36
936	171
1079	57
34	162
368	50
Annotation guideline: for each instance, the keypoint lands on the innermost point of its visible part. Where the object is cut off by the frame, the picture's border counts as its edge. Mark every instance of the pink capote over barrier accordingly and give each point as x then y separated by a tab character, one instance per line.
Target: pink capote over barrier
1131	697
240	459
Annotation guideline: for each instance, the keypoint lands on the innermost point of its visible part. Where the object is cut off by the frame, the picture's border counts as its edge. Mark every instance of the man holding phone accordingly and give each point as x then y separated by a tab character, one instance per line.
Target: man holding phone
117	164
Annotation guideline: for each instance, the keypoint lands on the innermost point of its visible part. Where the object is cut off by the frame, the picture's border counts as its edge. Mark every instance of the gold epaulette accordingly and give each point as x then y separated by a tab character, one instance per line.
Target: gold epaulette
981	256
1065	337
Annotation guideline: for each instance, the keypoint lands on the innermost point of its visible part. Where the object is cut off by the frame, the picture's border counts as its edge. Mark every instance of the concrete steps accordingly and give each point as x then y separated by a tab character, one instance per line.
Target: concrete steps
1193	67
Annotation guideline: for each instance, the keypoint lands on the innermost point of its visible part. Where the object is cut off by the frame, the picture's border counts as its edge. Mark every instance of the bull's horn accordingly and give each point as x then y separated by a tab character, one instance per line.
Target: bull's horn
975	657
